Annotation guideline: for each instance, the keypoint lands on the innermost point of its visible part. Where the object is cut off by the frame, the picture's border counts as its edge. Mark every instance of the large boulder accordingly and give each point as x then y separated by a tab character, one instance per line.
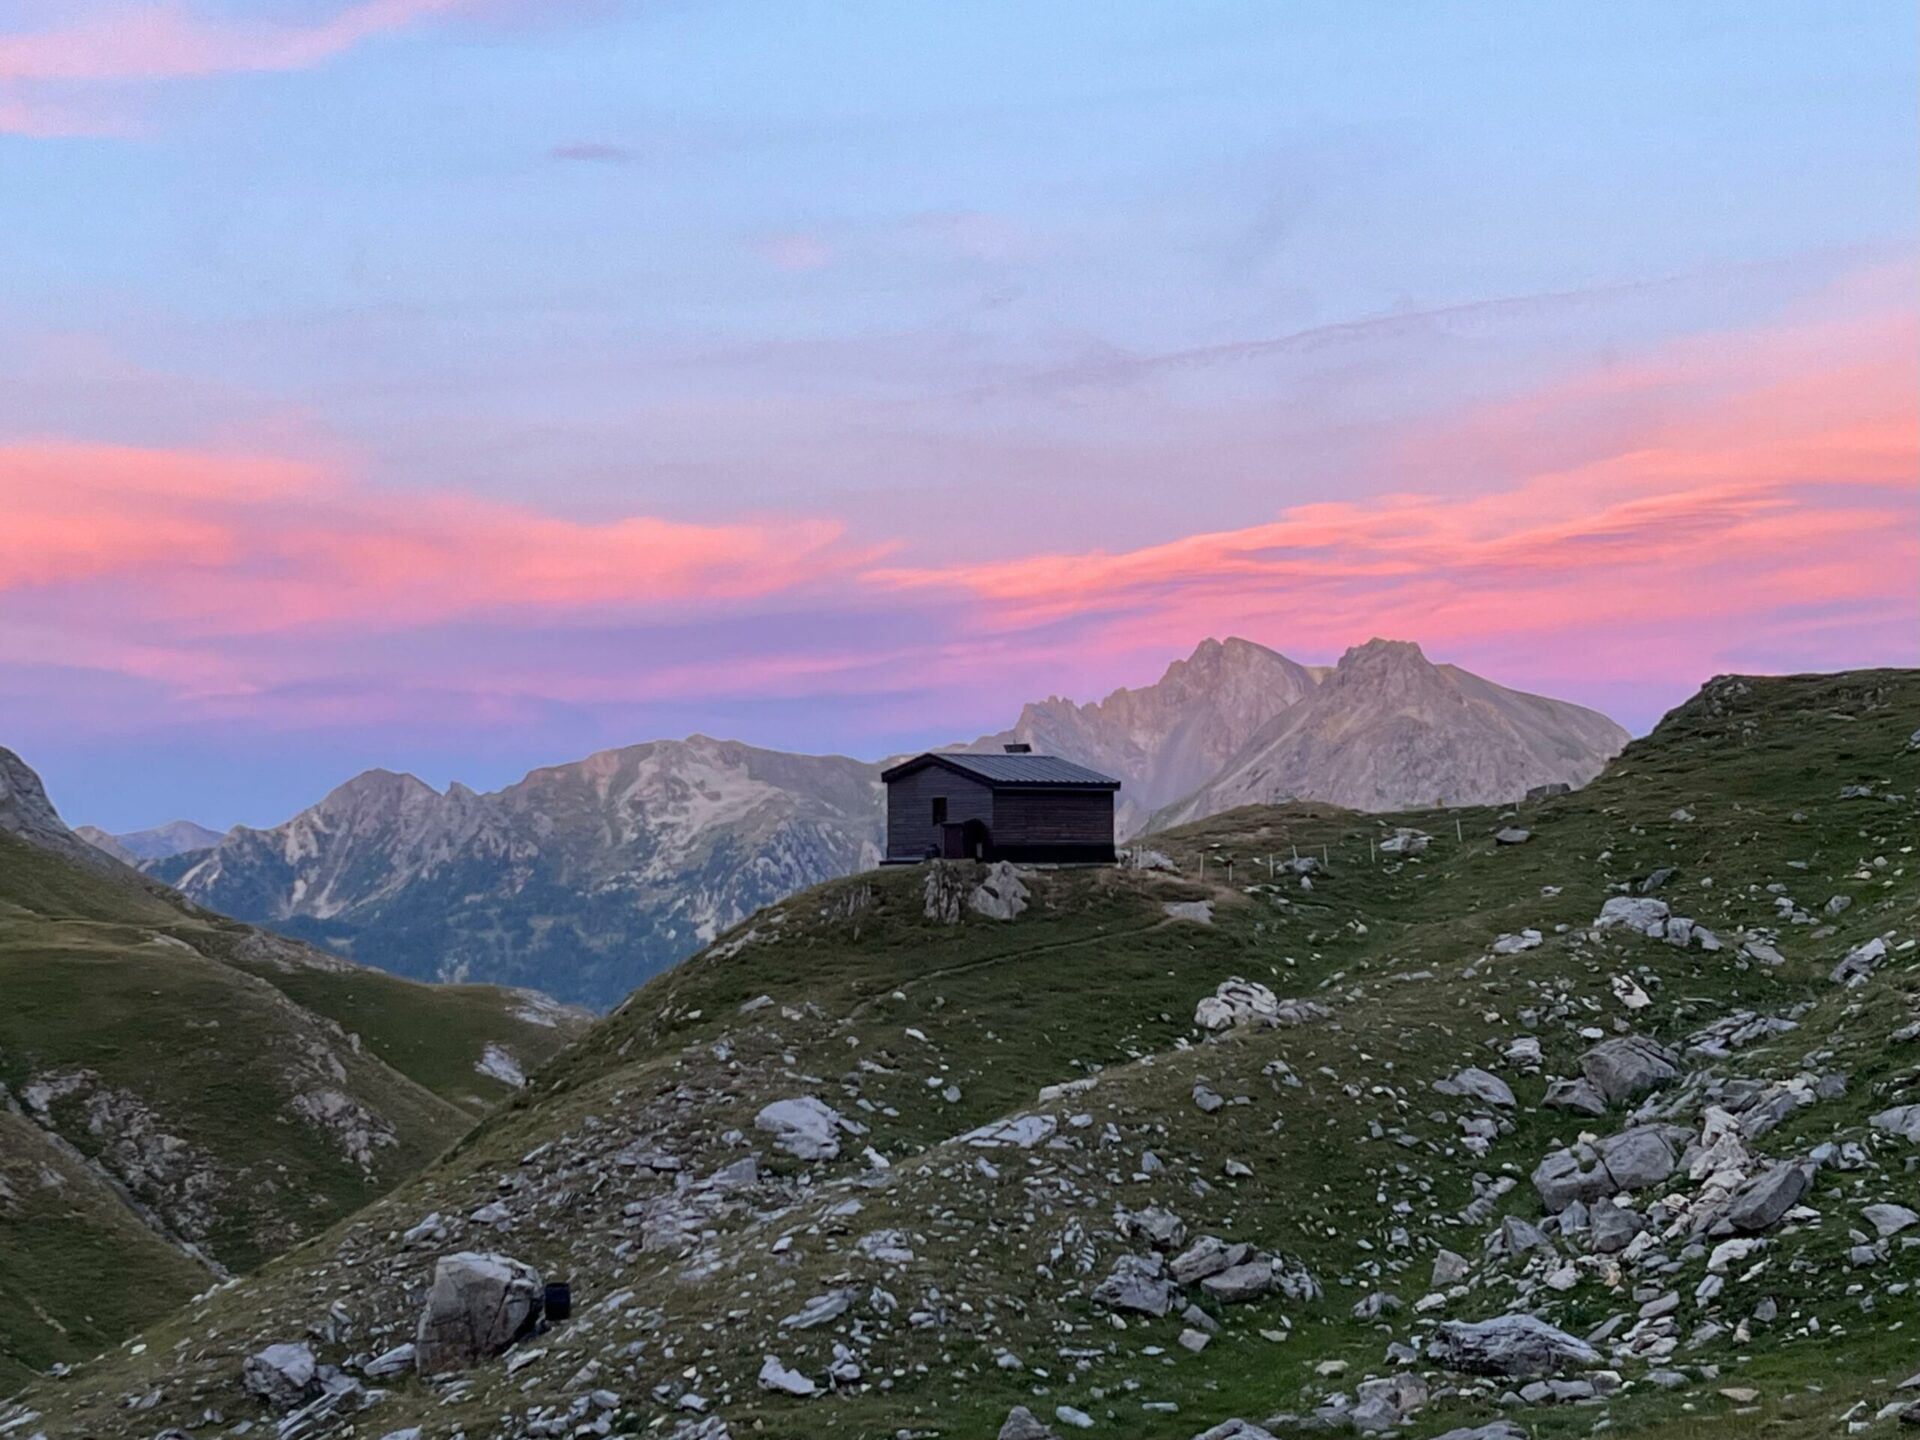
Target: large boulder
1236	1429
1476	1084
1619	1164
1629	1067
1613	1227
1240	1283
1902	1120
1764	1201
1208	1255
945	893
1577	1096
1001	895
1510	1345
478	1305
1641	913
1381	1404
778	1378
1138	1283
285	1376
803	1126
1238	1001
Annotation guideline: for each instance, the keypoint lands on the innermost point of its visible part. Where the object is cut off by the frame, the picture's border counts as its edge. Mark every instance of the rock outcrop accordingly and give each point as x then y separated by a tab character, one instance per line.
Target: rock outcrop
478	1305
1519	1346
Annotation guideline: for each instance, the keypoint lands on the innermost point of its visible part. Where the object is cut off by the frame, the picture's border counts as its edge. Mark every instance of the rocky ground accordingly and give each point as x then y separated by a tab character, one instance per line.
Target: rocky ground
1599	1112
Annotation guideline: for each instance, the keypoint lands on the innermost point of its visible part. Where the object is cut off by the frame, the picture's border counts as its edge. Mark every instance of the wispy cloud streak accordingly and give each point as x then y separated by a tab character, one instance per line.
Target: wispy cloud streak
52	80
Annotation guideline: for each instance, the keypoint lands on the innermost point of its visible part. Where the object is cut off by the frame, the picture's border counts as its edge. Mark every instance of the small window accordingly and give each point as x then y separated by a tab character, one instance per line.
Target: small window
939	809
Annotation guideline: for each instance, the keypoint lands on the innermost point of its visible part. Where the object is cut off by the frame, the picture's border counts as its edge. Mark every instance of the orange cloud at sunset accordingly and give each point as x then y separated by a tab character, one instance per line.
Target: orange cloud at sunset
1661	518
249	543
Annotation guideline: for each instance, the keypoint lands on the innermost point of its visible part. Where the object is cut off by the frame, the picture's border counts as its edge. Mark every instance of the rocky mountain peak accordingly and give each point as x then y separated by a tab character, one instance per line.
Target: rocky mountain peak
1380	657
378	787
1389	729
24	806
1165	739
1390	674
26	811
1215	662
373	798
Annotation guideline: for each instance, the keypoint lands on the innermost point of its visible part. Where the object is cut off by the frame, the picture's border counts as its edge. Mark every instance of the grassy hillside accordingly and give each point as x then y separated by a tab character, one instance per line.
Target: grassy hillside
186	1097
78	1269
965	1274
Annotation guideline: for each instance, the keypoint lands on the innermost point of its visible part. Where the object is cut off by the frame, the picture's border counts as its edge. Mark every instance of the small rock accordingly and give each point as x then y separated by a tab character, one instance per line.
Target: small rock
1478	1084
282	1375
778	1378
1021	1424
1889	1219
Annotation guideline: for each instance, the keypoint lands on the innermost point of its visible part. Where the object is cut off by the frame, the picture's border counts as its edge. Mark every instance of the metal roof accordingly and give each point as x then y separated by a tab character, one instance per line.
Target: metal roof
1011	770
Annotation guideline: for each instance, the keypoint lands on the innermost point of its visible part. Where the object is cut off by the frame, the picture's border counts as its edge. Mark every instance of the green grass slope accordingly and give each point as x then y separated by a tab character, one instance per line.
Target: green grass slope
78	1269
964	1274
197	1096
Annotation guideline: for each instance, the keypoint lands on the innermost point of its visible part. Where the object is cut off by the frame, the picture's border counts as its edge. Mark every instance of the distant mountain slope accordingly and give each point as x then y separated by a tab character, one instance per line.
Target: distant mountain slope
1388	729
580	880
584	879
139	846
1164	741
27	813
182	1094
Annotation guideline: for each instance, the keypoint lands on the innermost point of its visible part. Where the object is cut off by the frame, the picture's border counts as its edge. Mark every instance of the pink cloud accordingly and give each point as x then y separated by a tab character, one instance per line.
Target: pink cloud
1763	472
1643	525
50	79
253	543
795	253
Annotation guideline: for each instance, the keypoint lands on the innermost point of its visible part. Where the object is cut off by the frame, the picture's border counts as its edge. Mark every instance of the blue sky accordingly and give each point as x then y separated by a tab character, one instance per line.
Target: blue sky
973	286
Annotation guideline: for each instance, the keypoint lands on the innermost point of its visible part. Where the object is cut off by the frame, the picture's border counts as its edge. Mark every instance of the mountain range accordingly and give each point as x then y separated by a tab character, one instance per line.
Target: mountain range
578	880
1166	740
584	879
1388	729
183	1096
139	846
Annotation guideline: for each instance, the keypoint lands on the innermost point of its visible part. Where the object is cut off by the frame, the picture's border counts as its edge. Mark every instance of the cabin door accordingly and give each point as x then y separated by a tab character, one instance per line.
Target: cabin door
966	840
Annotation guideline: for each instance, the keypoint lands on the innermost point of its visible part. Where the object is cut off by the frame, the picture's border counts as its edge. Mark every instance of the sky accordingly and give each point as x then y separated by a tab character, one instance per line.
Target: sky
460	386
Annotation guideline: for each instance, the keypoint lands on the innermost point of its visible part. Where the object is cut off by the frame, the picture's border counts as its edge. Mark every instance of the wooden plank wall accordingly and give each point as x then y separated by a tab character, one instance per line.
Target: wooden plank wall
1053	817
910	827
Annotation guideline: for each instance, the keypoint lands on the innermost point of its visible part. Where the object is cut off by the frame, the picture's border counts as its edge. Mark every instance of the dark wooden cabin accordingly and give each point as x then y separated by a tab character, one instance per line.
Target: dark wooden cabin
1012	806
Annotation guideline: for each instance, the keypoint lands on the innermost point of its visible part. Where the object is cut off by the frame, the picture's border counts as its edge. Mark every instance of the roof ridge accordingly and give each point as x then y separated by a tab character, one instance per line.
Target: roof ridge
998	769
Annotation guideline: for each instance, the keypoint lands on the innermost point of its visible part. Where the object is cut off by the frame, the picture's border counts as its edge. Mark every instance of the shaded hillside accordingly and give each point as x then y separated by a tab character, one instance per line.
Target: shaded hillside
879	1161
185	1096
